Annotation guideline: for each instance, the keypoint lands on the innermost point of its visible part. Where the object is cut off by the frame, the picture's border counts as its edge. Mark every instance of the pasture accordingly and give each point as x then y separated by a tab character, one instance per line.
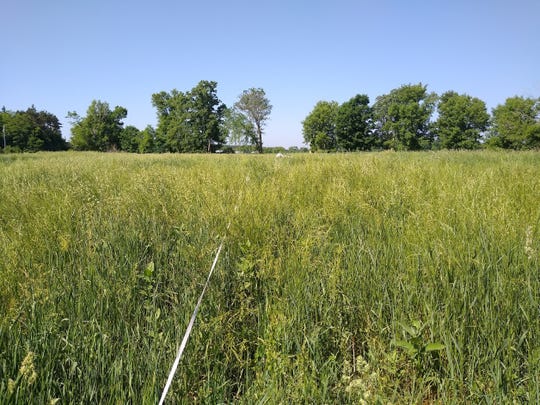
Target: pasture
344	278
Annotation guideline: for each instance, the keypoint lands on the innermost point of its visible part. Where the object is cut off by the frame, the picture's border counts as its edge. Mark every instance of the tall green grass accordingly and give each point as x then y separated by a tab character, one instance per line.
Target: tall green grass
333	265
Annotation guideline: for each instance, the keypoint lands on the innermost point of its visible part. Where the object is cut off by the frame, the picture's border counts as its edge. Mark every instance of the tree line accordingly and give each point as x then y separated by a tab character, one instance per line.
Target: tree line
30	131
403	120
191	121
198	121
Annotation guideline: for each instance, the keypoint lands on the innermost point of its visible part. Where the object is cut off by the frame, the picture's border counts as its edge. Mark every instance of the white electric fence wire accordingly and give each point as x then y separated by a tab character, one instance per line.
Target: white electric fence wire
192	321
188	330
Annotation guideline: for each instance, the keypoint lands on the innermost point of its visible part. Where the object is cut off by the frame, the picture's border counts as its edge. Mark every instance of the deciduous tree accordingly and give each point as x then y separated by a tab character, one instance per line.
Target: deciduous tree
191	121
516	124
353	125
240	130
319	127
402	117
32	130
147	140
257	108
206	115
129	139
100	130
462	121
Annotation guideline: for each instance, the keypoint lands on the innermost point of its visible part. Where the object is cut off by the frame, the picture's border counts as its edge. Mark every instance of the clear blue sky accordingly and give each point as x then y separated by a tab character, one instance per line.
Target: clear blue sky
60	55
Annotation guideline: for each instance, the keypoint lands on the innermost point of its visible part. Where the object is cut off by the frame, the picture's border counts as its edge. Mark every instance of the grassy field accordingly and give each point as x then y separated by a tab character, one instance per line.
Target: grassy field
362	278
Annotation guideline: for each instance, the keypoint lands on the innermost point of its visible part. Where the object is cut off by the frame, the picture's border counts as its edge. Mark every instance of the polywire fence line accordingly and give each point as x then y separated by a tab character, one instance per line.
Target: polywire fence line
189	328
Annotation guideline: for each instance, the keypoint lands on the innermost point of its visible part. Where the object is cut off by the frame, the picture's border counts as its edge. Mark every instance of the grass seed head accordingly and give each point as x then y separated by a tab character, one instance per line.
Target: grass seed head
529	250
27	369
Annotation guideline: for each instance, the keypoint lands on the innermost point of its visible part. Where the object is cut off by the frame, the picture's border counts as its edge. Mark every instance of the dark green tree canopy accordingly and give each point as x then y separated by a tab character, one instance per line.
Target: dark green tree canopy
256	108
462	121
319	127
31	131
147	140
191	121
403	116
172	113
516	124
129	139
353	125
100	130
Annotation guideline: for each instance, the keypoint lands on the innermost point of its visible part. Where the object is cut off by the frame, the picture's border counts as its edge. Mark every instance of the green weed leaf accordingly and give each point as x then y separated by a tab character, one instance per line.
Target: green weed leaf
409	347
434	347
149	270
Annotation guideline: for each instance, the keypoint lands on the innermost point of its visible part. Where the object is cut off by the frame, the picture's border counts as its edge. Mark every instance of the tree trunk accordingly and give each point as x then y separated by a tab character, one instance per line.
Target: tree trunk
259	138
